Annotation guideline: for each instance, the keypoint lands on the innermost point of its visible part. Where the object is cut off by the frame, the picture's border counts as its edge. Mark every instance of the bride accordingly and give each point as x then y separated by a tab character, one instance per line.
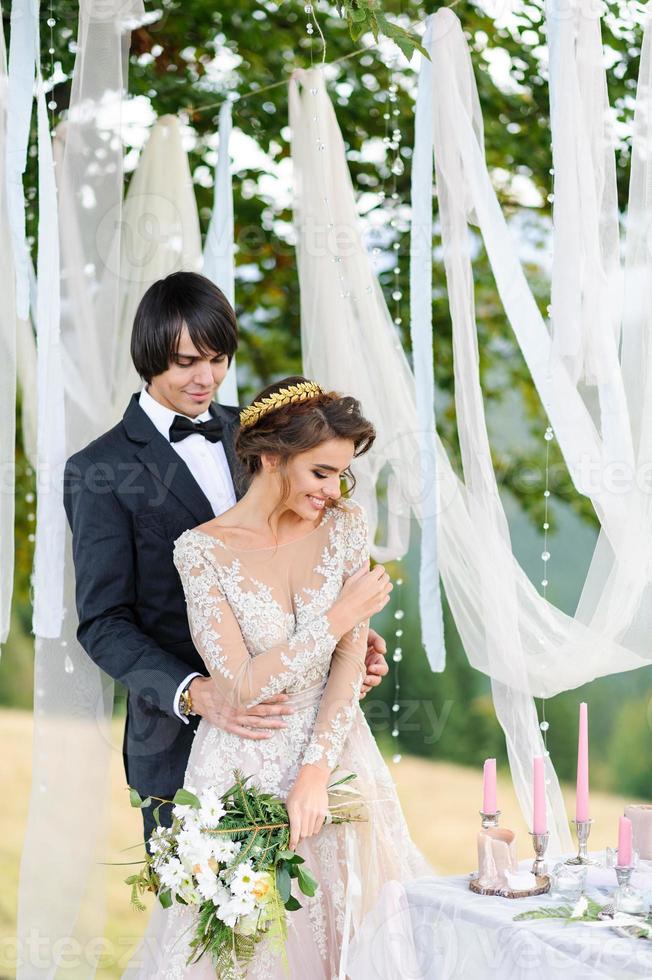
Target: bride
279	596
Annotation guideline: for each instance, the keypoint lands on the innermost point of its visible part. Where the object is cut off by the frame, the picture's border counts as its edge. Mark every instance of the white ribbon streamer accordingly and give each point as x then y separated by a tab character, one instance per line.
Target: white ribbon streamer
218	248
586	279
348	339
455	95
430	605
8	325
51	425
22	73
353	893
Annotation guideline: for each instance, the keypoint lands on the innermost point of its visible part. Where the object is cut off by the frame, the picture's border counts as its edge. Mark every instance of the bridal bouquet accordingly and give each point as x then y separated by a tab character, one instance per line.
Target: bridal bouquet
228	857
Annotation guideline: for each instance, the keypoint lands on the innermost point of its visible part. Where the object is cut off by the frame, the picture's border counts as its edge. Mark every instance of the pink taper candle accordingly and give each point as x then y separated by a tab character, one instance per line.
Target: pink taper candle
582	797
539	819
624	842
489	787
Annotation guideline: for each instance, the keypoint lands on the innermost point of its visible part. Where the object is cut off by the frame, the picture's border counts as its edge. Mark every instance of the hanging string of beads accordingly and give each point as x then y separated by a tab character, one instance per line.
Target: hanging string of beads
397	657
51	22
545	559
311	24
397	169
548	436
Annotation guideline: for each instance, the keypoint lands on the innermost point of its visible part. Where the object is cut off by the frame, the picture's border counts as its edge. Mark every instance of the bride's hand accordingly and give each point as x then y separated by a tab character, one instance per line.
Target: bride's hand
363	595
307	804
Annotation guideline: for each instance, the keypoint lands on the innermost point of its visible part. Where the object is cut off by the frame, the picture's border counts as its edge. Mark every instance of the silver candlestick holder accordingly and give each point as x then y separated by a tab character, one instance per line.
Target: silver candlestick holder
582	831
540	845
628	898
489	820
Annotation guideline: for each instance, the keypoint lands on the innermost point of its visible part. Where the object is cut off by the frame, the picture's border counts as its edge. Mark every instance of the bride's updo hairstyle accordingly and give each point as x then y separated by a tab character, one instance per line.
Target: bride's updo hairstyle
293	416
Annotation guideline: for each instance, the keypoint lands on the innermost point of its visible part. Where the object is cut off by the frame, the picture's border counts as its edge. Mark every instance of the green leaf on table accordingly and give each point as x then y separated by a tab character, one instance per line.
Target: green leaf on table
553	912
593	910
590	911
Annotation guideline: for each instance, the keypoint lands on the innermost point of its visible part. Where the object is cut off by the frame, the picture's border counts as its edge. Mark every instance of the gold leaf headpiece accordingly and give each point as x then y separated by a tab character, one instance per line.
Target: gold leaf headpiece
284	396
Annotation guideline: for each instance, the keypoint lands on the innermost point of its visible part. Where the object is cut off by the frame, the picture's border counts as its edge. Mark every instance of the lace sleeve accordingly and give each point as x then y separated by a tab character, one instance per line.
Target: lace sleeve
340	700
244	680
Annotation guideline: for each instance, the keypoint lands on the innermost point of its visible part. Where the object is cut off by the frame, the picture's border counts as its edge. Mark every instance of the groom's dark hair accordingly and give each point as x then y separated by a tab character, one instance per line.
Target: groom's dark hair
181	298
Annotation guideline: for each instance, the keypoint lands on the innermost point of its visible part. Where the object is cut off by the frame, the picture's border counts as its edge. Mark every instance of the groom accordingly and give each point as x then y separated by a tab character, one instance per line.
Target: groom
168	466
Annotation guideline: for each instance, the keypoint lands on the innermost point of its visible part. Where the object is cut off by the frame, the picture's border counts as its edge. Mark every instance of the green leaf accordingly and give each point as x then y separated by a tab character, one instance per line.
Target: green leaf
185	798
293	904
283	882
594	909
290	856
344	779
554	912
134	797
165	898
307	883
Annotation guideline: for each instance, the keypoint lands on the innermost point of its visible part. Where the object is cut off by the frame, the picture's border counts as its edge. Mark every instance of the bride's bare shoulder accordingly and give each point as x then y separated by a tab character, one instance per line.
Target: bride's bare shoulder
227	521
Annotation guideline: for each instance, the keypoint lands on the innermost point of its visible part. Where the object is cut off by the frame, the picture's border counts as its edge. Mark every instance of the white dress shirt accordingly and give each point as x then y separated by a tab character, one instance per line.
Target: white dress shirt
208	464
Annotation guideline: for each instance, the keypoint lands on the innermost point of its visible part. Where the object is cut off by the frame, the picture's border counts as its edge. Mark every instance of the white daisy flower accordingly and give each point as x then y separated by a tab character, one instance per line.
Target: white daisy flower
172	874
207	883
223	849
243	881
236	907
211	810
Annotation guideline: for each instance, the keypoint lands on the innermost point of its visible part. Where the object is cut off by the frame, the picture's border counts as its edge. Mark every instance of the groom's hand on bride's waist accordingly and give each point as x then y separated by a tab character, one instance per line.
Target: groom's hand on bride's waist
256	723
375	663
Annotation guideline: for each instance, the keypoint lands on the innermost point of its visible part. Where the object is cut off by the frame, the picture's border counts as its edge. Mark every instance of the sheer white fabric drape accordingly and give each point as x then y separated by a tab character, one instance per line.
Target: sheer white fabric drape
510	627
8	341
160	234
61	887
527	646
349	341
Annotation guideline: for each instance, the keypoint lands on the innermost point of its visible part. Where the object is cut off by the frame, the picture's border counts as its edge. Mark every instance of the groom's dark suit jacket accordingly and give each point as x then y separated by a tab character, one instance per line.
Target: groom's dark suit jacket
128	496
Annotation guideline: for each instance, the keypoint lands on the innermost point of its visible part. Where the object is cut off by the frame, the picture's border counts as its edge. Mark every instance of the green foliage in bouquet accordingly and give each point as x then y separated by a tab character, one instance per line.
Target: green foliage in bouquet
229	857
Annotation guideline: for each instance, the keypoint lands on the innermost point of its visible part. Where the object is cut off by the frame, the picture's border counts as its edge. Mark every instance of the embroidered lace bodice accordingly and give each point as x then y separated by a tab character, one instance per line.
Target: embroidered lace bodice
258	619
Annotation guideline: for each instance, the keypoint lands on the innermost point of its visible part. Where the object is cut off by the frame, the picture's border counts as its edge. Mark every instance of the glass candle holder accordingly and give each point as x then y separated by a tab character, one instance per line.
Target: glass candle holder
627	897
568	881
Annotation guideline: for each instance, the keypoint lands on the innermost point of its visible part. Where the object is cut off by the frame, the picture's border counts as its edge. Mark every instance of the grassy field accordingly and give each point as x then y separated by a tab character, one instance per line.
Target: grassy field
441	802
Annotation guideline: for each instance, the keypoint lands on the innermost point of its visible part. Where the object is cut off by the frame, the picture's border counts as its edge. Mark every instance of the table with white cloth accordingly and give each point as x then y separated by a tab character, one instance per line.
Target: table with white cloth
437	929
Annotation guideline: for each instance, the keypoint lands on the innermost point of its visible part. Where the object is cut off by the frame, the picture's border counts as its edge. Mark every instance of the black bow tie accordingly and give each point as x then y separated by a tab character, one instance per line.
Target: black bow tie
182	427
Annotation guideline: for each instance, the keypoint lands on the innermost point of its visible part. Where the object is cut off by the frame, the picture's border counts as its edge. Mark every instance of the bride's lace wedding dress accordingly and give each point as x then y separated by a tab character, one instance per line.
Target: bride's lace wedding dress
257	617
